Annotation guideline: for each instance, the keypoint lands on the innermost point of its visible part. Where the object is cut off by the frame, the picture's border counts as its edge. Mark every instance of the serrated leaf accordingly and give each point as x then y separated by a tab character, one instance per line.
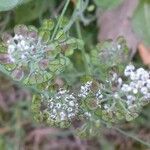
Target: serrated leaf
61	36
38	77
45	29
130	117
2	48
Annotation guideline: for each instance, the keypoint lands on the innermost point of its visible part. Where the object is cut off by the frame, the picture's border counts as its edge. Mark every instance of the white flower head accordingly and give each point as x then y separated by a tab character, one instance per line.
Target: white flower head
126	88
85	90
128	70
144	90
63	105
99	94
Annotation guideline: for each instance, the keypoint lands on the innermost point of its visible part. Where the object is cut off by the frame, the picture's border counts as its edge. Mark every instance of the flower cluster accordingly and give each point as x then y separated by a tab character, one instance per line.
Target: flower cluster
119	98
84	91
30	56
27	55
61	108
138	84
115	51
25	46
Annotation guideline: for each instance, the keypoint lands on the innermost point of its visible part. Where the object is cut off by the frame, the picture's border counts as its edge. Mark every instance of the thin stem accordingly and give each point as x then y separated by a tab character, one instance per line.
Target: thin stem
132	136
60	19
122	105
83	49
4	23
71	22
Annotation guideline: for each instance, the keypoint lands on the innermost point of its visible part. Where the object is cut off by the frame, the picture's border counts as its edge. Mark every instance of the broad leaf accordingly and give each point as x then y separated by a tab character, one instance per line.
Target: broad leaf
6	5
30	11
141	21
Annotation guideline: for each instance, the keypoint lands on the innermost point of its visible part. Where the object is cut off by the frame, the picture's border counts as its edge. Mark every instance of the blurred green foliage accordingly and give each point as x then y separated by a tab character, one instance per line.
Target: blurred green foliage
141	21
107	4
31	10
6	5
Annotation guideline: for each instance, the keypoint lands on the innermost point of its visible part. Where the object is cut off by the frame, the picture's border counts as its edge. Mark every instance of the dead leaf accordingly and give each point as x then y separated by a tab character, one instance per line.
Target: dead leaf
74	2
117	22
144	53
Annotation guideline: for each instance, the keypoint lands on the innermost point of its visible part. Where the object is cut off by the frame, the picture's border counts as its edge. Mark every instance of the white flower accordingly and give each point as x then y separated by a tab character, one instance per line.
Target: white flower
128	70
106	107
62	115
144	90
142	74
114	77
85	90
116	95
61	92
87	114
11	49
139	84
58	105
131	97
120	82
99	95
63	105
119	46
148	83
147	96
134	76
135	91
126	88
71	103
69	109
24	48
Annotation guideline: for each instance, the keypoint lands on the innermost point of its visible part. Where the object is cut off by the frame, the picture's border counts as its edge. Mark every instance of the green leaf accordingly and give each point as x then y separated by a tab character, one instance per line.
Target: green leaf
113	53
107	4
141	21
30	11
48	24
45	29
2	48
130	117
35	107
24	1
38	77
6	5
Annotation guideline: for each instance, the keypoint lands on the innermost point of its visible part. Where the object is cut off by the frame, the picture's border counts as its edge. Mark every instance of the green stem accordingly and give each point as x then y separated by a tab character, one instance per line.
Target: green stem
83	49
132	136
122	105
60	19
